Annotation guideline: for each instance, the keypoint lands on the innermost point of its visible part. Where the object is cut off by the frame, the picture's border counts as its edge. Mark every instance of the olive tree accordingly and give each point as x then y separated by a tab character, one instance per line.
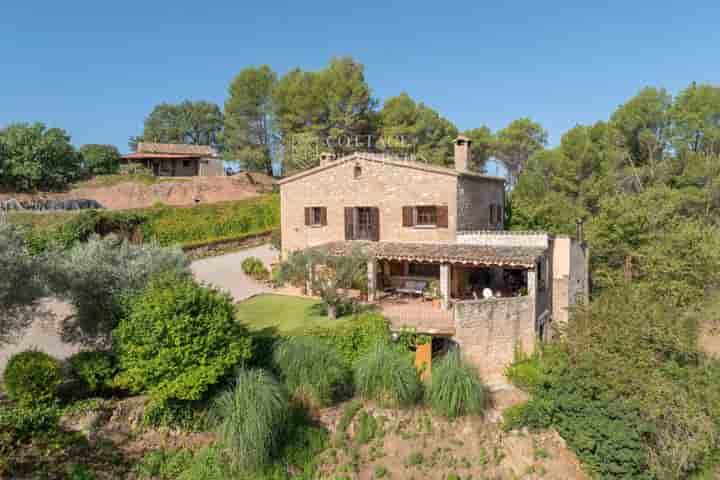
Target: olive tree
97	276
20	281
329	276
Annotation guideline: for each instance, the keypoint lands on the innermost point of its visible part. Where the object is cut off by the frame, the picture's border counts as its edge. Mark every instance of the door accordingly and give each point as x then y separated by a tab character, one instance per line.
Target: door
362	223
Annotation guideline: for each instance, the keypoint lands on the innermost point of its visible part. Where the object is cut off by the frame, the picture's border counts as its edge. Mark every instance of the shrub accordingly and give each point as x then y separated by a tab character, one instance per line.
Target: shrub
32	378
178	339
312	370
97	276
250	417
18	424
255	268
525	372
455	388
94	369
208	222
354	340
388	376
607	432
164	465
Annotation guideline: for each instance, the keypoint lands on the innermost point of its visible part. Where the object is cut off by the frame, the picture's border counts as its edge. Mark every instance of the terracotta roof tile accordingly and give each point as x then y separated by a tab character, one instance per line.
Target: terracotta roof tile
175	148
441	252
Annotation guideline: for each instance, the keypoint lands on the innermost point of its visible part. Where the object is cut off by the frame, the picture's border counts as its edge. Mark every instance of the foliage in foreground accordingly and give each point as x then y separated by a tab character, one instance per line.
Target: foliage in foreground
387	375
456	388
628	388
356	338
178	339
97	277
313	371
95	370
250	417
20	281
32	378
19	424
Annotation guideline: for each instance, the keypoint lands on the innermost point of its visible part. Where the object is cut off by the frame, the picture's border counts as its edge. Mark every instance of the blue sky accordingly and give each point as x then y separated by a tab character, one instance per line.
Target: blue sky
96	69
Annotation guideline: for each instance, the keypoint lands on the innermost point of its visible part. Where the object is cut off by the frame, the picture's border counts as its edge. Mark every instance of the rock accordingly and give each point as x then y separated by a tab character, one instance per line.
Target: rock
43	204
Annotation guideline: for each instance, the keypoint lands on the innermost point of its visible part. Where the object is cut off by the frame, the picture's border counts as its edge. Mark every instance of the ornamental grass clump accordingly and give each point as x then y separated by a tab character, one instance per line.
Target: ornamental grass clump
250	417
387	375
313	371
456	388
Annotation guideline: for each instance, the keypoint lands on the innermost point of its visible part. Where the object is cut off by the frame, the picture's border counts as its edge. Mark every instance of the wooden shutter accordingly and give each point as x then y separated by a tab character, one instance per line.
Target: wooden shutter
349	223
308	216
441	212
407	216
323	216
375	222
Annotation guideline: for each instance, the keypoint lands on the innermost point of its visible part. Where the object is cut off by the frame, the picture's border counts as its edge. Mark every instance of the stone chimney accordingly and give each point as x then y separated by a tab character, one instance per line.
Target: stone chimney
462	154
326	157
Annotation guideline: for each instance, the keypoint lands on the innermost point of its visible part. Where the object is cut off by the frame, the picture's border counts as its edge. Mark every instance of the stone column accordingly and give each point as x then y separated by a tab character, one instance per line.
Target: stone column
445	285
372	279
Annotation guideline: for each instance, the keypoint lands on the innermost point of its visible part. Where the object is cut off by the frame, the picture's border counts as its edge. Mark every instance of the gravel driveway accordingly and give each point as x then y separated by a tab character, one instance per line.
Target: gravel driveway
225	271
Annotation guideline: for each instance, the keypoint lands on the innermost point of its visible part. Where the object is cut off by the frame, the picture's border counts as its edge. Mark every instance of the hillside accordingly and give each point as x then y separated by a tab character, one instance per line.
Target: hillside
120	192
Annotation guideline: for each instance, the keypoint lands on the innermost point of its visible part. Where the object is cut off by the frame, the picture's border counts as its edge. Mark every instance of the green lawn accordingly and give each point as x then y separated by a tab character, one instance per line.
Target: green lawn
284	313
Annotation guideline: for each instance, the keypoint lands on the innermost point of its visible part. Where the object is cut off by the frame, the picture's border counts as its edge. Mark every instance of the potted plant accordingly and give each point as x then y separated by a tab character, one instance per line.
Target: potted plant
432	292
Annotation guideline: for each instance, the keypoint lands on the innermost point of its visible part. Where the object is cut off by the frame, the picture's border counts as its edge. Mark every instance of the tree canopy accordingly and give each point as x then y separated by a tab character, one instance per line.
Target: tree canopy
34	157
188	122
248	134
100	159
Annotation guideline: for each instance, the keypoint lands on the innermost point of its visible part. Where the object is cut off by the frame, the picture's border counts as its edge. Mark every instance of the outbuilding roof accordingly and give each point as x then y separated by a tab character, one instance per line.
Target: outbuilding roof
511	256
176	149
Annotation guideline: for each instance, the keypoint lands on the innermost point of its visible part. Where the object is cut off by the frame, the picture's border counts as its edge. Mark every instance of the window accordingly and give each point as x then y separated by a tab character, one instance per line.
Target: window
315	216
540	272
362	223
426	216
357	171
187	163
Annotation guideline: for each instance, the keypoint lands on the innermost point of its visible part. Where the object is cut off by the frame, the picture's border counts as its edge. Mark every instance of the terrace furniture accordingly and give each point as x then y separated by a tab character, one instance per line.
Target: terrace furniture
412	287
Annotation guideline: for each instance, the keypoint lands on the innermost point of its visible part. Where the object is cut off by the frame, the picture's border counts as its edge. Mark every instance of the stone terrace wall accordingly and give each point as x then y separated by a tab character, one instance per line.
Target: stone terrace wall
489	331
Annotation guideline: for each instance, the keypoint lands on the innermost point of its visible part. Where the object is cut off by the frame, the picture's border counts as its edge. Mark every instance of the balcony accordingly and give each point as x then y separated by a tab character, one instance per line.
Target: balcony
417	313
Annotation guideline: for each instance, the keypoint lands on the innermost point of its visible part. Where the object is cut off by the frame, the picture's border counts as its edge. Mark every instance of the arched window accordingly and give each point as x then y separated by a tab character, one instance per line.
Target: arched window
357	171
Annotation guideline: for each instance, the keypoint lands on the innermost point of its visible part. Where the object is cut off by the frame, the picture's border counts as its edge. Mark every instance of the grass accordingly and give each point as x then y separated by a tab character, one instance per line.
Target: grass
456	388
312	370
250	417
40	221
388	376
180	225
285	314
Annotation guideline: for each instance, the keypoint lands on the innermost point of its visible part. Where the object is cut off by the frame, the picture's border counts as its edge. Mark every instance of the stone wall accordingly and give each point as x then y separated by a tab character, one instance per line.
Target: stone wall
489	332
570	283
384	185
475	194
503	238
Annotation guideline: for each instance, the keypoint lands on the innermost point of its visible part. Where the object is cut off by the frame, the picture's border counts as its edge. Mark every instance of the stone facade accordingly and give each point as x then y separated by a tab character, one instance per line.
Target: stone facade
490	331
475	195
365	181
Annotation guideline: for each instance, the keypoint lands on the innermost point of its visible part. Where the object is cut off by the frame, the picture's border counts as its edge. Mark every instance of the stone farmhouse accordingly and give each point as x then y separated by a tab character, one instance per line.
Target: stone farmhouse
176	160
424	226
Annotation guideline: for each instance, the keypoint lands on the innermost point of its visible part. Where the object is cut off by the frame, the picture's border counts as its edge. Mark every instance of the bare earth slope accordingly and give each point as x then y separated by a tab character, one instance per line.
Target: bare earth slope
181	191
